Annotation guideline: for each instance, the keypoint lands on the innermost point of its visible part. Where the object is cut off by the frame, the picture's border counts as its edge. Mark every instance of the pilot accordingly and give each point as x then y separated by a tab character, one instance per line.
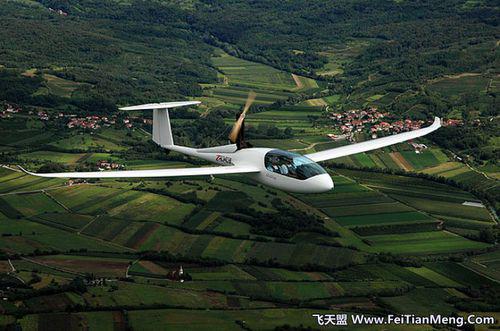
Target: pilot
283	169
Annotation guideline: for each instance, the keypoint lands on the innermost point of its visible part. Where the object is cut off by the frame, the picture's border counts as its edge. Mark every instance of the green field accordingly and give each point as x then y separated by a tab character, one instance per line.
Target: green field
386	218
79	142
421	302
66	158
18	182
435	277
58	86
422	242
26	236
237	77
246	72
458	85
29	204
439	200
460	274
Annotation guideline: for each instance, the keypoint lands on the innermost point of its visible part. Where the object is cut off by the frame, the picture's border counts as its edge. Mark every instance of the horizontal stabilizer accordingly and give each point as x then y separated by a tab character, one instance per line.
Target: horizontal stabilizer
162	105
179	172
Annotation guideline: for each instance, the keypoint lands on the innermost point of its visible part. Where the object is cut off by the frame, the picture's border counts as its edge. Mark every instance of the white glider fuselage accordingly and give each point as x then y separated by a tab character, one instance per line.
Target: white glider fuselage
284	176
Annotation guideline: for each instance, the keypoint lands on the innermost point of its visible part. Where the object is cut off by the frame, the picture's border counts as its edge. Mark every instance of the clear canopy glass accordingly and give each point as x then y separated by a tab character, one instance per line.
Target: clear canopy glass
292	165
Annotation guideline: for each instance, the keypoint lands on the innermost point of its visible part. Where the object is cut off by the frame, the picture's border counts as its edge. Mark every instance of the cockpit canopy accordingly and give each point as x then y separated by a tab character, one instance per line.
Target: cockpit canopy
291	165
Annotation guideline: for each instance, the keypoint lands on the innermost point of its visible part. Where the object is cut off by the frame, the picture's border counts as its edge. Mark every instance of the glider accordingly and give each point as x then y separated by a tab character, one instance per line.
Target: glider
277	168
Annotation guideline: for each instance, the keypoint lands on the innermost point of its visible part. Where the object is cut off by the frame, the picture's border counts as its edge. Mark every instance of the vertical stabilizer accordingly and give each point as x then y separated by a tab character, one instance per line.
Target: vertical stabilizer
162	131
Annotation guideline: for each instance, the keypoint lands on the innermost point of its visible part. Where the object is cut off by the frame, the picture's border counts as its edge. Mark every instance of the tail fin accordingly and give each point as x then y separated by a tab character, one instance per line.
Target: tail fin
162	131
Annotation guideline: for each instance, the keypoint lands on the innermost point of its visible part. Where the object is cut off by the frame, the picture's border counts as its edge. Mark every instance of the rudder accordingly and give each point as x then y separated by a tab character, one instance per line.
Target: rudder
162	130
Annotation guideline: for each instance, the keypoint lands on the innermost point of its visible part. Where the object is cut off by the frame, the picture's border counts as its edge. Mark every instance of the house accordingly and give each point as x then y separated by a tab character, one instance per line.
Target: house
418	147
12	109
43	115
178	275
107	165
335	137
452	122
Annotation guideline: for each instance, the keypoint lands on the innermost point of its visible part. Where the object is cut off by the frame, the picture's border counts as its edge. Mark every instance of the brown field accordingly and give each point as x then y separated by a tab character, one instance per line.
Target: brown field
97	266
153	267
142	239
119	321
401	161
11	244
5	266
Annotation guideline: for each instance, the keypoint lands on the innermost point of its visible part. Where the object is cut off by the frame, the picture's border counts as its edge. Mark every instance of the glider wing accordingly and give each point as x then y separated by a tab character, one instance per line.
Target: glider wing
179	172
373	144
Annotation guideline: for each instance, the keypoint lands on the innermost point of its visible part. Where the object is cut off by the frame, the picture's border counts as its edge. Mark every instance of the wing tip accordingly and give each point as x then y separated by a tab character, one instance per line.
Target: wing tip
437	123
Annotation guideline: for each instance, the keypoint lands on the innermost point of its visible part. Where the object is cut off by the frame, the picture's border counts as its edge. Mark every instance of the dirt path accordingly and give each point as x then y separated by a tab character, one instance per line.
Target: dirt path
297	80
87	225
479	272
43	190
13	272
56	201
34	191
52	267
311	146
84	157
11	266
147	133
129	266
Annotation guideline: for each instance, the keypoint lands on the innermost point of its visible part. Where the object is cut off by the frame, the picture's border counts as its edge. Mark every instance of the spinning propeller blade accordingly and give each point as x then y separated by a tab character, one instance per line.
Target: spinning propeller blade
233	136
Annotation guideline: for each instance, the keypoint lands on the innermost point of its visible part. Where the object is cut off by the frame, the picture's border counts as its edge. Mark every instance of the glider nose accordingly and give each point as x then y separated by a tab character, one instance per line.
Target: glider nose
324	183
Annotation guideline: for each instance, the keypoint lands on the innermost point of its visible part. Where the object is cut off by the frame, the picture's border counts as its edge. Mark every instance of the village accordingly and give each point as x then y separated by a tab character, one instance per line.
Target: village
92	122
95	122
372	121
9	110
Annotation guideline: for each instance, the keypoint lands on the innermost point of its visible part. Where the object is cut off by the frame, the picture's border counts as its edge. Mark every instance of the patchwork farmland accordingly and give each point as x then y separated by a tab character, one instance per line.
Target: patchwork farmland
409	222
107	254
237	77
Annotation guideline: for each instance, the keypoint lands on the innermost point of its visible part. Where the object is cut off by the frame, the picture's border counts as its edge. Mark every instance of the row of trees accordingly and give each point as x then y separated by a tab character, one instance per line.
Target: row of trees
283	224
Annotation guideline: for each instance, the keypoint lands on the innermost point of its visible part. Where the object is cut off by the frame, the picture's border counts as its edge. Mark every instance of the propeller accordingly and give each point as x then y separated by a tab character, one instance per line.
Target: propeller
233	136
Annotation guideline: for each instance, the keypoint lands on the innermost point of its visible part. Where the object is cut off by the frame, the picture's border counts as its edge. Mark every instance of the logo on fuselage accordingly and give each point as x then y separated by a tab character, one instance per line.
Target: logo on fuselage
223	159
